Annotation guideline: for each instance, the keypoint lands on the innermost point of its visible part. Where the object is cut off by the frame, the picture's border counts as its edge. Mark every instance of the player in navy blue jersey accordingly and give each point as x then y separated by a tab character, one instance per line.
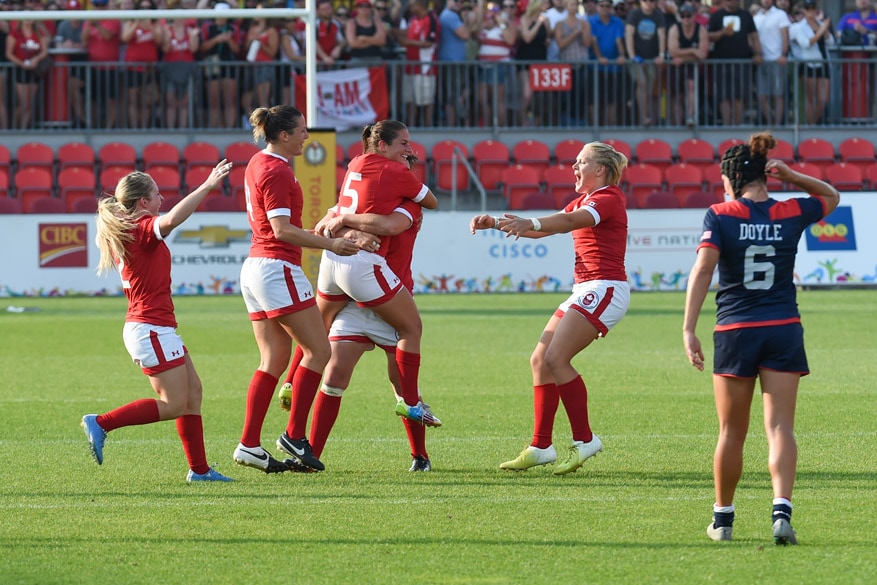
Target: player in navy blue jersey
753	239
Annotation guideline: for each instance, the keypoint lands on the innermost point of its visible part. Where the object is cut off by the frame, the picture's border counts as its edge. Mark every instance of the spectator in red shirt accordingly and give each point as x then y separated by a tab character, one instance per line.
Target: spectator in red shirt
101	37
143	37
26	46
420	74
330	34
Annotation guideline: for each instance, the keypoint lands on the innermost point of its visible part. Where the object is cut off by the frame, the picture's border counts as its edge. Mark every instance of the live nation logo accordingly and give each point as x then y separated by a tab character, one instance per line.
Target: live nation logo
63	245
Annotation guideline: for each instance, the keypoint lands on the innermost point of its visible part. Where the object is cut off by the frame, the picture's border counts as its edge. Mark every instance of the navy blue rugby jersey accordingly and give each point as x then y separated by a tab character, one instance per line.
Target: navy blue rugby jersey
757	242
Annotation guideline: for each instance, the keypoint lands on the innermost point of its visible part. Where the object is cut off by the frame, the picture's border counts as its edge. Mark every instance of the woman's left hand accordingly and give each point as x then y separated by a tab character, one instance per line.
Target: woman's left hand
513	225
693	350
219	172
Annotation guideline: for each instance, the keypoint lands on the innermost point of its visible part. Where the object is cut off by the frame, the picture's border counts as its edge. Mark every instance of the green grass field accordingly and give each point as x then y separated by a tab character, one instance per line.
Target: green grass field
634	514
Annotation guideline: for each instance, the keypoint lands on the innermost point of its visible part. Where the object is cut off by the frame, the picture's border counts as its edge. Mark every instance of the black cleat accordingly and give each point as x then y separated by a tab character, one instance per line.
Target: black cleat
300	450
420	464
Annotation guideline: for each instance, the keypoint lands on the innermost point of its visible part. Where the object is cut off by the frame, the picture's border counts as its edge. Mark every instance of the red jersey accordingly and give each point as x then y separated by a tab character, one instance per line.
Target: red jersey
329	35
600	249
272	191
99	49
142	48
146	276
26	46
425	28
181	50
402	250
376	184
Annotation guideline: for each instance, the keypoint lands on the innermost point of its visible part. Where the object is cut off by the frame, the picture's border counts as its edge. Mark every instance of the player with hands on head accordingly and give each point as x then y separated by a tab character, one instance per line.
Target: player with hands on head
599	299
753	239
131	236
278	295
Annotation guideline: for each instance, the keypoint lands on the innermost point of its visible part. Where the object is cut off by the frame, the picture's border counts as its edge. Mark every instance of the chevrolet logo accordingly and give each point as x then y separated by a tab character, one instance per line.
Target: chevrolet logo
213	236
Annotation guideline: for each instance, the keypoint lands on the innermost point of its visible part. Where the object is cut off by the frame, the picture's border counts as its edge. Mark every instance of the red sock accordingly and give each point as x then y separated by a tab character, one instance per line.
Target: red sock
139	412
297	356
409	369
304	389
259	395
575	400
545	401
325	414
416	437
191	432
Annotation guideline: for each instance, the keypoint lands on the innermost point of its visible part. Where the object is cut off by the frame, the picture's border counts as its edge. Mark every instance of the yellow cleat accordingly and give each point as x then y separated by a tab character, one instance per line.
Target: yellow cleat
579	452
284	395
531	457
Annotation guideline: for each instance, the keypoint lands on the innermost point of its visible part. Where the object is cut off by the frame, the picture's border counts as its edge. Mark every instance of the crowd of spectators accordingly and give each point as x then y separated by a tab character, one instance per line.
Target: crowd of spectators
456	63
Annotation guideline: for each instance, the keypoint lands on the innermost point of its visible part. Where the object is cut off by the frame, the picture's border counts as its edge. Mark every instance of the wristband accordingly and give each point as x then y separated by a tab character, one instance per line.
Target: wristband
496	219
537	225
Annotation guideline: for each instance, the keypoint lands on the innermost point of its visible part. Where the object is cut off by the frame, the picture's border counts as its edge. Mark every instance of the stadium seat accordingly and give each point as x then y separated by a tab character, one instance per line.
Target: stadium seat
83	206
621	146
4	182
518	181
701	199
354	150
5	159
632	203
236	179
117	154
110	177
35	154
559	183
783	151
43	204
220	203
641	180
810	169
75	183
683	179
161	154
694	152
340	156
167	203
32	183
713	179
240	153
491	158
655	152
443	153
200	154
76	154
845	177
857	151
726	144
9	205
195	177
537	200
816	151
420	168
871	176
660	200
532	153
167	180
567	199
566	151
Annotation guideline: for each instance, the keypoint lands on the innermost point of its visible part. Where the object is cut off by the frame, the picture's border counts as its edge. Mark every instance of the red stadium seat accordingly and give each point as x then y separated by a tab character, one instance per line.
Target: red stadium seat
240	153
9	205
537	200
5	159
655	152
83	206
110	177
683	179
32	183
35	154
4	182
117	154
419	169
641	180
532	153
871	176
167	180
726	144
621	146
161	154
76	183
810	169
699	153
200	154
518	181
43	204
559	183
845	177
443	154
701	199
491	158
660	200
783	151
857	151
195	177
220	203
816	151
354	150
76	154
713	179
566	151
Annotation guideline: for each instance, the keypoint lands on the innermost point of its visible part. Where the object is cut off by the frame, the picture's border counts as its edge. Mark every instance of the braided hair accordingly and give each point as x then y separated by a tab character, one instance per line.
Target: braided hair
744	163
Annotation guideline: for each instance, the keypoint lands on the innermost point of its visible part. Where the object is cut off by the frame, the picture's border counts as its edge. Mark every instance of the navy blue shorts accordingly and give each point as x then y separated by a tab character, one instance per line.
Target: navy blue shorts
742	352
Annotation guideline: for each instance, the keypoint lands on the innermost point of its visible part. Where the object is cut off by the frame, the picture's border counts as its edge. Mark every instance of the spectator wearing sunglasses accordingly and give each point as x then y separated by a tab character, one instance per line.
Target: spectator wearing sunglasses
645	35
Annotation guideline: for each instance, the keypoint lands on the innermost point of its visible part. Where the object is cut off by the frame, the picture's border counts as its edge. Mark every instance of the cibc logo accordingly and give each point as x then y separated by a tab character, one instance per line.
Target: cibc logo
835	232
63	245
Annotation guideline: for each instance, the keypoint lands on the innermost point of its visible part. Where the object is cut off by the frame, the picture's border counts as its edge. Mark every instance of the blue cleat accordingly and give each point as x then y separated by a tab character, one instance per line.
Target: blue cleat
211	475
96	437
419	413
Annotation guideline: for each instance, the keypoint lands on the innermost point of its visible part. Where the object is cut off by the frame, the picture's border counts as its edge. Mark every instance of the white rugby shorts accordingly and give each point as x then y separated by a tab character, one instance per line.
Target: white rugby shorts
362	325
273	288
363	277
155	349
602	302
